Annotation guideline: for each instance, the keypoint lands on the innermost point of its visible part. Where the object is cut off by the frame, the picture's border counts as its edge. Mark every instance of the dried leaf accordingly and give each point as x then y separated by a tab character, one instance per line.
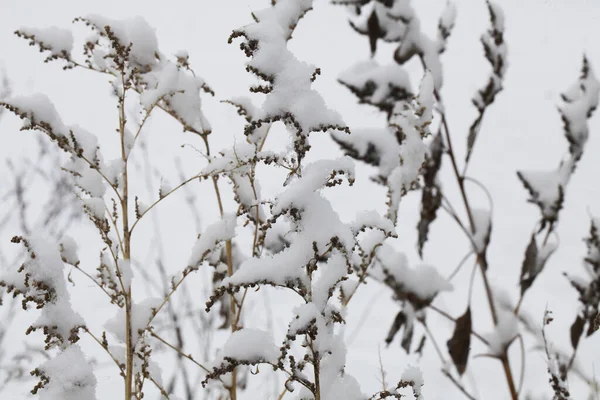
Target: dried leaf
407	337
399	321
374	31
402	321
529	267
577	331
459	344
593	248
473	131
431	200
421	346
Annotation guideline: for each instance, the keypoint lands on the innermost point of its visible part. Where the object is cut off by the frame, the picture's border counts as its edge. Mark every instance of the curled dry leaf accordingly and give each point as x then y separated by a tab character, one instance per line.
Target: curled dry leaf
459	344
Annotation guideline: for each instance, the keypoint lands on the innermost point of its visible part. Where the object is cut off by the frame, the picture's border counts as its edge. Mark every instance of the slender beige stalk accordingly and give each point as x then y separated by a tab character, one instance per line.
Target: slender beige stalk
228	253
127	248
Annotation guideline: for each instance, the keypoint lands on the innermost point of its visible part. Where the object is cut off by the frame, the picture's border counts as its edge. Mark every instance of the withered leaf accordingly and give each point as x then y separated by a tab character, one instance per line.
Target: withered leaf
431	198
529	267
421	346
577	331
473	131
374	31
459	344
399	321
407	337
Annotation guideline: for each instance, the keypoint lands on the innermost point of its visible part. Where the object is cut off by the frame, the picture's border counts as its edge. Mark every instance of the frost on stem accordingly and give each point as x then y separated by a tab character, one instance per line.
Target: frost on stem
40	281
287	81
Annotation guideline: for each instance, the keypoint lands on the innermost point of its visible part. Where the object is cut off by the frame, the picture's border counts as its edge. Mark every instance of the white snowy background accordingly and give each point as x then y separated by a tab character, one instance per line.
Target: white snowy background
546	41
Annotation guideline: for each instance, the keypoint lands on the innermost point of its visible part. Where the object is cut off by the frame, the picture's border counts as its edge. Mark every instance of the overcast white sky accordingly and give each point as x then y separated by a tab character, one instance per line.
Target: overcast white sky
546	40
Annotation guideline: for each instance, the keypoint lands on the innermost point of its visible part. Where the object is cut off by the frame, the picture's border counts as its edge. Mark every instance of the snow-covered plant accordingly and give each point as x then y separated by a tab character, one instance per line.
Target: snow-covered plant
387	87
293	240
316	252
126	52
21	210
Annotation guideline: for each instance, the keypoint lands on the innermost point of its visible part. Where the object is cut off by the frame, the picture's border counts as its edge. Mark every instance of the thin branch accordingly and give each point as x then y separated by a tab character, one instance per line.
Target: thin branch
179	351
458	385
182	184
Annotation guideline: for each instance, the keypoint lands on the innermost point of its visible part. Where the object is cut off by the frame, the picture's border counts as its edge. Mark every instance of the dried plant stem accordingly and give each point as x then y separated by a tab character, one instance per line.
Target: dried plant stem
460	179
229	258
105	349
458	385
127	246
161	389
451	318
165	195
317	370
522	374
179	351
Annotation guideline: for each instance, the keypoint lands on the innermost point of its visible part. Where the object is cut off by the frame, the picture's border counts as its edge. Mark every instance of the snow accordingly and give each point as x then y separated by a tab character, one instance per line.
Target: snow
178	90
331	273
135	31
423	280
387	79
392	28
141	314
315	176
165	187
96	207
38	108
250	345
55	40
214	234
448	17
289	93
314	231
503	334
71	376
426	98
414	375
372	219
68	250
483	225
124	268
375	146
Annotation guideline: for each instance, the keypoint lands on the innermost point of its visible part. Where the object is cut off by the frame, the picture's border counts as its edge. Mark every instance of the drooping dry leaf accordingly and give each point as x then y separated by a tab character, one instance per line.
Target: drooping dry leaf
577	331
529	267
459	344
431	199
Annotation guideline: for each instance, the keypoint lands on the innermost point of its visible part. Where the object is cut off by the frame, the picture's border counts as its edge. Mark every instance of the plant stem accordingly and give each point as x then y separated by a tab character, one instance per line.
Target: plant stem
127	247
229	256
481	259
